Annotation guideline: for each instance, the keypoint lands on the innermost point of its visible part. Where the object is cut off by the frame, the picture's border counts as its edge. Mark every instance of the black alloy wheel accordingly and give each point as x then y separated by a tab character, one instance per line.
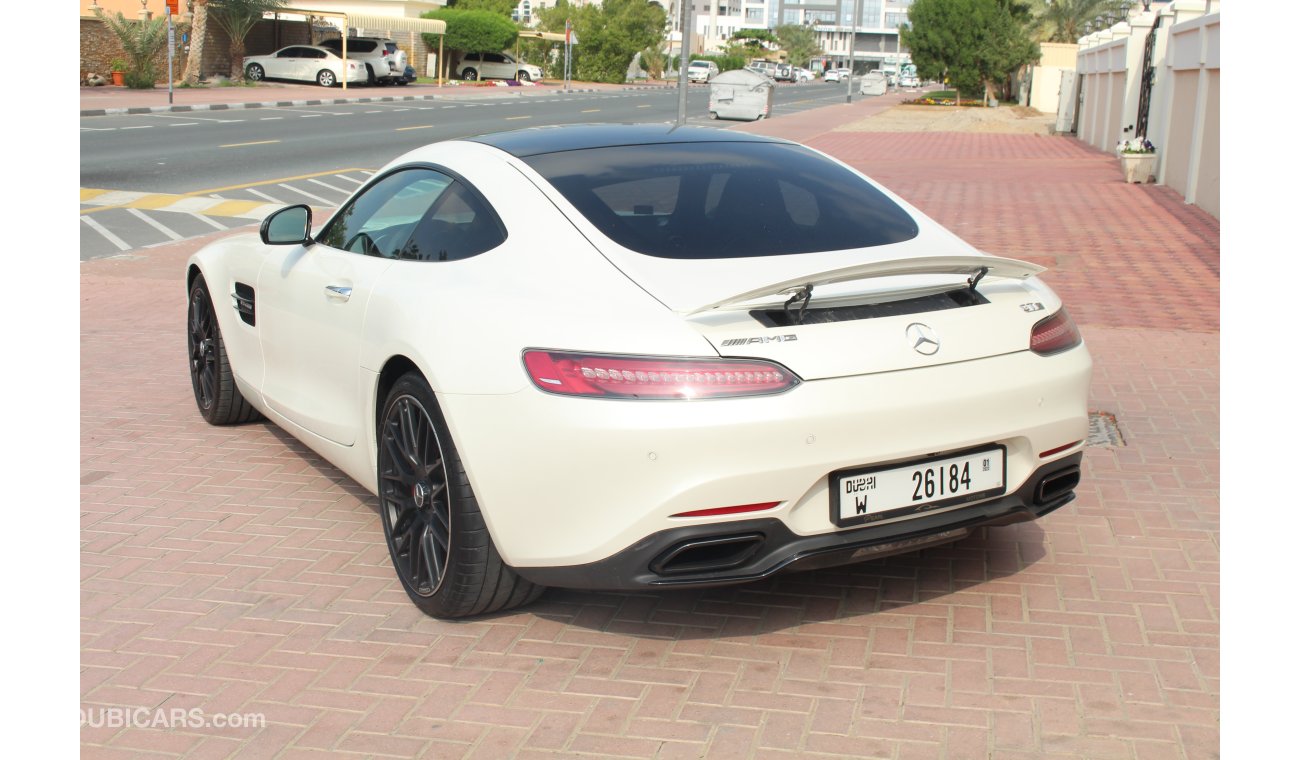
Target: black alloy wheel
436	535
469	75
413	490
524	77
215	392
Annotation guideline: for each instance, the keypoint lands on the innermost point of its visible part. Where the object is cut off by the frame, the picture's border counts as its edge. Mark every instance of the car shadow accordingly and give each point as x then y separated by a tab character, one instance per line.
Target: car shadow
783	602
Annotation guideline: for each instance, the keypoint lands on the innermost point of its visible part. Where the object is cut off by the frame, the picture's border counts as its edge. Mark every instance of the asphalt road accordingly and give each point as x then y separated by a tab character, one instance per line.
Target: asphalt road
206	150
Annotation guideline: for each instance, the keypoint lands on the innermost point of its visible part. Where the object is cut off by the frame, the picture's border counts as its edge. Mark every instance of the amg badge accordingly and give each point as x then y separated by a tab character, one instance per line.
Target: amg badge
768	339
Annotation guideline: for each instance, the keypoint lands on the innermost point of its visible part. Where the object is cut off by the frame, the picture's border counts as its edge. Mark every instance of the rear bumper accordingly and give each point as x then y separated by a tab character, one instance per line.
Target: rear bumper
749	550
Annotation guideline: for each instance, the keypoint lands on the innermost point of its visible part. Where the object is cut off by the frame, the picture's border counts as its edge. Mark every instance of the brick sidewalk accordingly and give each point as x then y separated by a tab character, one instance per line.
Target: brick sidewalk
230	569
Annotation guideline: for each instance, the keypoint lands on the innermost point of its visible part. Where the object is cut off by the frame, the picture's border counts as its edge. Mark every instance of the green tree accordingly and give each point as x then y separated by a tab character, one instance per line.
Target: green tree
653	61
799	43
237	18
754	42
1064	20
974	43
500	7
141	41
609	35
473	31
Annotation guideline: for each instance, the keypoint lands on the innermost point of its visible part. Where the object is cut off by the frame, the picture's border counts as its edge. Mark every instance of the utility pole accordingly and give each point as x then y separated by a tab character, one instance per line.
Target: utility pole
853	39
683	83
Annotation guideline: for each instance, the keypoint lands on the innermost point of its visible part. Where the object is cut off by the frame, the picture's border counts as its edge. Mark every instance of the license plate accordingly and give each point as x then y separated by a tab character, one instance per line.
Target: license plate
870	494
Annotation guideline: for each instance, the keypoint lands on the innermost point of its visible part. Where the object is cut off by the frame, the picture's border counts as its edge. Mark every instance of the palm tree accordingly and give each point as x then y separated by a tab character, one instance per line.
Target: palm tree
141	41
198	35
1063	20
238	17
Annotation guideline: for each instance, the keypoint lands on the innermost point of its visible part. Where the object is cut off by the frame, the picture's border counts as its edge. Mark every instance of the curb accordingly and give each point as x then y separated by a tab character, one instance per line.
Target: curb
313	102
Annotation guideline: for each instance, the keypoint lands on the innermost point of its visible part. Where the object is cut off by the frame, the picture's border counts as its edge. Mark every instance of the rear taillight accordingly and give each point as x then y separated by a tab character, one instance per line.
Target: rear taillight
647	377
1054	334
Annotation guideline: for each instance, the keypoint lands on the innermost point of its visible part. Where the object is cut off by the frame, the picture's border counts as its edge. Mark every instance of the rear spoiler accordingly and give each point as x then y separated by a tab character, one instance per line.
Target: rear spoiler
975	267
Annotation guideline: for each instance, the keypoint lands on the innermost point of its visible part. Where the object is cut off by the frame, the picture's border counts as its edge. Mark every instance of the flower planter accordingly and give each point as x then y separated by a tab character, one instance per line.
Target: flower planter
118	78
1138	167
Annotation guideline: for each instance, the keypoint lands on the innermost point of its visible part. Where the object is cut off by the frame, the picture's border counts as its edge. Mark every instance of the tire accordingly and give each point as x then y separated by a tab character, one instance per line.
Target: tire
215	392
402	82
370	75
469	75
326	78
523	76
713	114
255	72
437	538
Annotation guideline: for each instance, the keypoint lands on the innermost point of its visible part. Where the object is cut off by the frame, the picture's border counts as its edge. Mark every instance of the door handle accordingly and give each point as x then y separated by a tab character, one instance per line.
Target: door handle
340	292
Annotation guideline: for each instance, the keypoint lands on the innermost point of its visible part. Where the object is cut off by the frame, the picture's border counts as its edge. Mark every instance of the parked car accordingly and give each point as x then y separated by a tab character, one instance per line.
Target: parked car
496	66
784	73
767	68
909	80
385	62
642	357
305	63
701	71
835	75
803	75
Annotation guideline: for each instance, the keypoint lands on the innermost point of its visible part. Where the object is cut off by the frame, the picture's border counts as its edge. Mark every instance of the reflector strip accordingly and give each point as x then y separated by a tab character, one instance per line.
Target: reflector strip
728	510
1058	449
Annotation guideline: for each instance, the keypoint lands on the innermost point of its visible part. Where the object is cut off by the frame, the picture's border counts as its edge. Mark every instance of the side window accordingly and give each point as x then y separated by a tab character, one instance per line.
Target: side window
313	53
287	53
493	58
380	221
459	225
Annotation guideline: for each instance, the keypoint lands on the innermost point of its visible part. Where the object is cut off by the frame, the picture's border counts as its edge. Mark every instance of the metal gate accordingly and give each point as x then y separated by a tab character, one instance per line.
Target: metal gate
1148	80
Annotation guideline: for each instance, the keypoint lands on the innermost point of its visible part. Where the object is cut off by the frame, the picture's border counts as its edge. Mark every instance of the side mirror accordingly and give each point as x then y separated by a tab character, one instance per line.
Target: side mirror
288	226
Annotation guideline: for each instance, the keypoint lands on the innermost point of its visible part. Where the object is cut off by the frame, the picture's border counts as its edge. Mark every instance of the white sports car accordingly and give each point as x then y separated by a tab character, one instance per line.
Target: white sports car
634	357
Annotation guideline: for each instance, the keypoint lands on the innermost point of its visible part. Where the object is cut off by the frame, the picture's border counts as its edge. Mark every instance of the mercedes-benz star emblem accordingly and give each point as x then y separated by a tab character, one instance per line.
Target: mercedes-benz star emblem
923	339
420	493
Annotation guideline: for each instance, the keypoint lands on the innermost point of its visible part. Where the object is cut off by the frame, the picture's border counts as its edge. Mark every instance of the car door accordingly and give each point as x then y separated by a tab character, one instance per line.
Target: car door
495	67
312	302
284	64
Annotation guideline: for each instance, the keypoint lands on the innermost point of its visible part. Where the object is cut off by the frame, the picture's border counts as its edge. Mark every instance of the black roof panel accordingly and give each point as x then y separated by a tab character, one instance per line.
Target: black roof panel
565	137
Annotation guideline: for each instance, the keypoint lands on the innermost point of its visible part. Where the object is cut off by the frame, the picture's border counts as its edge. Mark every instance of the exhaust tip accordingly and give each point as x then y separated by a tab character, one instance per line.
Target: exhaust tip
1056	485
707	554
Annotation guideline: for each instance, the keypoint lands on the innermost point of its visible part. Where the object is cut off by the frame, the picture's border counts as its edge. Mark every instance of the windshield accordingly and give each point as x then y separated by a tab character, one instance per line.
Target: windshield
715	200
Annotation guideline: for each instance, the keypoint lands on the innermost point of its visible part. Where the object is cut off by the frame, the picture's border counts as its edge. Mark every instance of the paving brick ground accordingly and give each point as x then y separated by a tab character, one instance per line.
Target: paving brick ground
232	571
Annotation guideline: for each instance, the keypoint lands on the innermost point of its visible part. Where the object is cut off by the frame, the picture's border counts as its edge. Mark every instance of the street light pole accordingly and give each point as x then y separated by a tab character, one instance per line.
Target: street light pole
683	61
853	39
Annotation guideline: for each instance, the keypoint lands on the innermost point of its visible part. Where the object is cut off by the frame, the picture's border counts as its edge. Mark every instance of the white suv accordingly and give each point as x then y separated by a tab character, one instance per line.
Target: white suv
385	62
496	66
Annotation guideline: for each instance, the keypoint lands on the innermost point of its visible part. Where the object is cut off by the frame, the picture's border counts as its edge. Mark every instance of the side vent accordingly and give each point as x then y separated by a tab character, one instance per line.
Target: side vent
244	304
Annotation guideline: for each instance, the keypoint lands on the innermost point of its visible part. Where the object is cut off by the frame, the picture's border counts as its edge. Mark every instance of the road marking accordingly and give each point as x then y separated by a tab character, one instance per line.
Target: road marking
144	126
422	126
114	239
264	195
373	112
198	118
335	189
270	118
242	209
138	214
88	193
592	110
242	145
647	106
208	220
349	179
310	115
185	124
516	118
326	201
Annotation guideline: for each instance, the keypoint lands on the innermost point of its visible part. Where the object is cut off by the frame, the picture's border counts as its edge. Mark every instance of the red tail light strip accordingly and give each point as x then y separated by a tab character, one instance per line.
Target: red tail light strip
728	510
646	377
1058	449
1056	333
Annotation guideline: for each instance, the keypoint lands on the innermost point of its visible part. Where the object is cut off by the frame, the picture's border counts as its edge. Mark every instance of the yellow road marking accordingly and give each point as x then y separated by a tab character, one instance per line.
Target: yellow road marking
234	208
158	200
209	191
240	145
422	126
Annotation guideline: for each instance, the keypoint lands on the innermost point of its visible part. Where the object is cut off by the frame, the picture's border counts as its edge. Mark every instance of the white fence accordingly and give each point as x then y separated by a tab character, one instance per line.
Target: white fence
1183	111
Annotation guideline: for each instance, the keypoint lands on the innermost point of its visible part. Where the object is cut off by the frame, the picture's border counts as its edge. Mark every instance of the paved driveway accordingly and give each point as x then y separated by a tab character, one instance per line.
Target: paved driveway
231	573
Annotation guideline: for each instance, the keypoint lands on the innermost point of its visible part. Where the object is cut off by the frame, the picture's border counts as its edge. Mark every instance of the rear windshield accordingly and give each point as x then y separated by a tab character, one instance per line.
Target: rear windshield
724	200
